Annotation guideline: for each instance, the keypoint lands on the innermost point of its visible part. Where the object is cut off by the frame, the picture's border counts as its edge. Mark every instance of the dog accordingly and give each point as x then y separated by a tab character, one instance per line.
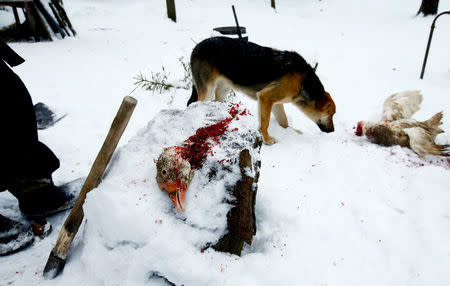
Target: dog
270	76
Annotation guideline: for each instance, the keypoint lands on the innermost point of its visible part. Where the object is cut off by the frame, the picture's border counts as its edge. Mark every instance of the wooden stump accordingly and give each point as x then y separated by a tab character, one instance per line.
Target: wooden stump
38	18
428	7
242	219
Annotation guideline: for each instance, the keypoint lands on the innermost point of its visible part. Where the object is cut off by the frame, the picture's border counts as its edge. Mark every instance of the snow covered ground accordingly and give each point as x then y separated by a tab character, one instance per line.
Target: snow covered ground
332	209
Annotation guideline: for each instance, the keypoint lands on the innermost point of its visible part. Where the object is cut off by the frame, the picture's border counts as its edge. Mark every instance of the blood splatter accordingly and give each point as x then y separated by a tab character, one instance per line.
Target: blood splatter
198	146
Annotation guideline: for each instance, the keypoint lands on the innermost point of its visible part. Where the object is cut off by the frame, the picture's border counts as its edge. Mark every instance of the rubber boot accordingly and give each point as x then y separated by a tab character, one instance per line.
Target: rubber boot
14	236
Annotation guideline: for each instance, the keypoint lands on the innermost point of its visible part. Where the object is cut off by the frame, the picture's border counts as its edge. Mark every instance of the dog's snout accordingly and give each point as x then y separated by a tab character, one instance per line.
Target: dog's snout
325	128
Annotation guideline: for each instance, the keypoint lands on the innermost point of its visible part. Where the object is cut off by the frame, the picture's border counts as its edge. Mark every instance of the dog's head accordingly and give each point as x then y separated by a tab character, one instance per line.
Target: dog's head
316	103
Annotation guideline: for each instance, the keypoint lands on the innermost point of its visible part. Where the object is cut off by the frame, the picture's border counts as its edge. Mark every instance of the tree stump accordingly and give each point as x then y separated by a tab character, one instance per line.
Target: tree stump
38	20
428	7
241	219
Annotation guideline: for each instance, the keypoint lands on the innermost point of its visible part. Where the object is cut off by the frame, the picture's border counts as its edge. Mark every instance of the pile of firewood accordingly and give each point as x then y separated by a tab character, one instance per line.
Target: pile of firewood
39	15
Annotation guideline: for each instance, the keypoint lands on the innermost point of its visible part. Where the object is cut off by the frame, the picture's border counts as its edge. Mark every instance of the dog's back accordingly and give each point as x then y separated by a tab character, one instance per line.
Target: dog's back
245	63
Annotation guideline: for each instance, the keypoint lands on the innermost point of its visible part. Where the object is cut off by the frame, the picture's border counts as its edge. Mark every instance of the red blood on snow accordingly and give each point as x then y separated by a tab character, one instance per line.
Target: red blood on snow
198	146
359	129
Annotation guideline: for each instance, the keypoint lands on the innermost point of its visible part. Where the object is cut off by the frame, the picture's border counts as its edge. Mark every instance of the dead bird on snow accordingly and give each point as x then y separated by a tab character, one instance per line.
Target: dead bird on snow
397	127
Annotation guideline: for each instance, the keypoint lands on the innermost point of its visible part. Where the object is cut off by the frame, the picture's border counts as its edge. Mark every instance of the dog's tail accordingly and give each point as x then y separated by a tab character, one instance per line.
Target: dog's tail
194	96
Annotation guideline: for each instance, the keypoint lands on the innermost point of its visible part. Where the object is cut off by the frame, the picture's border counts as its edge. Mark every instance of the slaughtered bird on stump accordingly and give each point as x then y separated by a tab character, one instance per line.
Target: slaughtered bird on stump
175	166
224	155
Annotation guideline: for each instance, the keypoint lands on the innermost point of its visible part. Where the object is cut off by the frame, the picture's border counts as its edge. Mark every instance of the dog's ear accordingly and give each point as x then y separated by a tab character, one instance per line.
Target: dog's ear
315	67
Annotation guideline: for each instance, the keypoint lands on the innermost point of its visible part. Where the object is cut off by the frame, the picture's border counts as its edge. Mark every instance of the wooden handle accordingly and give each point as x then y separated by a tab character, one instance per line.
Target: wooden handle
58	255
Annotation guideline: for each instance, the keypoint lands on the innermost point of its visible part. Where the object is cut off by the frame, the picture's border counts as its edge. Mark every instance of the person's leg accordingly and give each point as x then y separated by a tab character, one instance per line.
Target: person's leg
21	152
27	164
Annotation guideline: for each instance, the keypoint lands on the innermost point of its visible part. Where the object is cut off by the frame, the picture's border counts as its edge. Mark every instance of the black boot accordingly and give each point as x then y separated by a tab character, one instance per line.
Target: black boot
41	198
14	236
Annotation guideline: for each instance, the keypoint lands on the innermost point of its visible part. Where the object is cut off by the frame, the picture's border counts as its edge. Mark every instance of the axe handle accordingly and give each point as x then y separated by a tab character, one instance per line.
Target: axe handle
58	255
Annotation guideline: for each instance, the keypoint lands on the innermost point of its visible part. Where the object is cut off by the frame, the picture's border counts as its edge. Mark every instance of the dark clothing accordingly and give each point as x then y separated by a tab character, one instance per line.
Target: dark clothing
22	155
9	55
26	165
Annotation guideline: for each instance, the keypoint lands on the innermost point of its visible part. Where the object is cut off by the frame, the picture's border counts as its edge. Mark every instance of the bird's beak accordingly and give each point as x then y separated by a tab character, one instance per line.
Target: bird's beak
176	193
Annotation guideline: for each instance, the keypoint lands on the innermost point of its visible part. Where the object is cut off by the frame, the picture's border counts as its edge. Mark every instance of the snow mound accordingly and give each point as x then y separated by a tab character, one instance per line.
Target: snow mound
130	219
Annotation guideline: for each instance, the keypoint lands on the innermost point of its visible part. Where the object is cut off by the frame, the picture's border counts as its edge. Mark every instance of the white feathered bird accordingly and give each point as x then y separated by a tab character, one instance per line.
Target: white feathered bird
397	127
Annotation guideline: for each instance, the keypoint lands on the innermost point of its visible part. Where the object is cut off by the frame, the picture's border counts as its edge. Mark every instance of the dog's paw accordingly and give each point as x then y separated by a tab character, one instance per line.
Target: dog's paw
270	140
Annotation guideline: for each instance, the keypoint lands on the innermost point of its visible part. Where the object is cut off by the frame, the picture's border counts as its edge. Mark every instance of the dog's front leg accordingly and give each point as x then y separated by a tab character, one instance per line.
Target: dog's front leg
265	103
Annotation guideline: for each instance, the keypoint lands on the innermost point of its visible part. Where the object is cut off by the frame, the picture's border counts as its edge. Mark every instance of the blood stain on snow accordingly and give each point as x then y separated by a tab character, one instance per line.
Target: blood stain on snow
198	146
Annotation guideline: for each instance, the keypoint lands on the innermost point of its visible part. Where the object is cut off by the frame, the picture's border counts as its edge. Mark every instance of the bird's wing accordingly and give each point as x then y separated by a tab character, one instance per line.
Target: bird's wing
401	105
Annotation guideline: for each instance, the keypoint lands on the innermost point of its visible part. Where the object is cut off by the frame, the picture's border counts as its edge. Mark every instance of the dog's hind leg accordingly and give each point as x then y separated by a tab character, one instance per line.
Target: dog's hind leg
204	77
222	90
194	96
201	95
207	92
280	115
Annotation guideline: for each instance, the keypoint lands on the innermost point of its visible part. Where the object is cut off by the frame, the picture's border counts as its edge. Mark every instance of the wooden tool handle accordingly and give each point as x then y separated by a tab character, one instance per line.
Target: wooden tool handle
58	255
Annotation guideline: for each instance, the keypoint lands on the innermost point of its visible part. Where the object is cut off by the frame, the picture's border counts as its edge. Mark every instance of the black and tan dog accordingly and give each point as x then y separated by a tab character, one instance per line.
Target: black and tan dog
272	77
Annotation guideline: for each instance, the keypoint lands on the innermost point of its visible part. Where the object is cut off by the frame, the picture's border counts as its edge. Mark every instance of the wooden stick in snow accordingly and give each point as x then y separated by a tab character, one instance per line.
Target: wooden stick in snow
58	18
171	11
57	259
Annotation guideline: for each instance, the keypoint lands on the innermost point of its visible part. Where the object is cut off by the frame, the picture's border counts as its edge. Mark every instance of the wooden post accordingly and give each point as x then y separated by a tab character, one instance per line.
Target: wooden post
171	13
58	18
41	27
57	259
16	16
50	21
63	14
428	7
272	3
31	20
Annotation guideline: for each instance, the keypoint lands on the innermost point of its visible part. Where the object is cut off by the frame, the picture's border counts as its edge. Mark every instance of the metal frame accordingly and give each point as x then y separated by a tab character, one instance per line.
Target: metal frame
429	42
237	23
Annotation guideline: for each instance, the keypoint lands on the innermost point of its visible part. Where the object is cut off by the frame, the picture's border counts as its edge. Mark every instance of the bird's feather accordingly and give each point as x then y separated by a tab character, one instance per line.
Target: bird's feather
401	105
